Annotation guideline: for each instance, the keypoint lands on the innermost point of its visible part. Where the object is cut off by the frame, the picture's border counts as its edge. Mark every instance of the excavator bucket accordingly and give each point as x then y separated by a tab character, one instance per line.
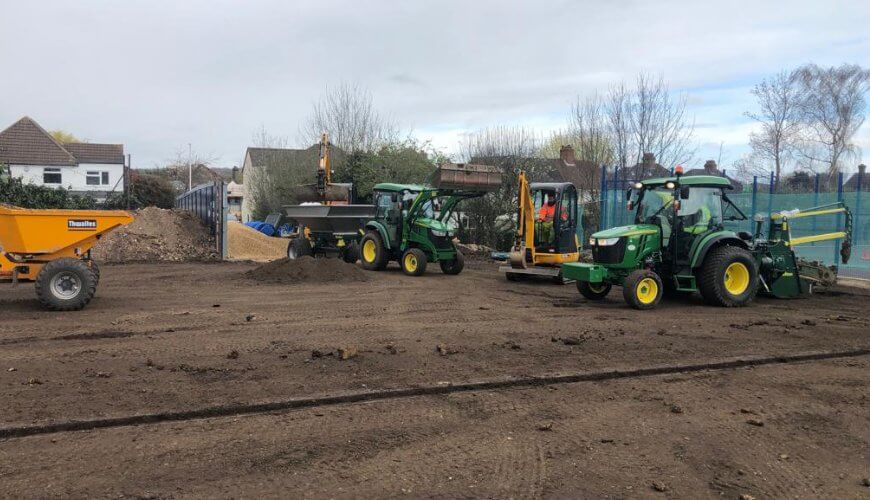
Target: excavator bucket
332	193
467	177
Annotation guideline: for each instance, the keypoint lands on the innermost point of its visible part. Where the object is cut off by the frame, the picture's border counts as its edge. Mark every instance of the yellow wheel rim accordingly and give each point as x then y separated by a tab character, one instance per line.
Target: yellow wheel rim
370	251
736	278
410	263
647	291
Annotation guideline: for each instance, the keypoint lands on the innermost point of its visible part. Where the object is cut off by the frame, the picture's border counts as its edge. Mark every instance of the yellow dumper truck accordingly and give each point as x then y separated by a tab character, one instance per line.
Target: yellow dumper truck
53	249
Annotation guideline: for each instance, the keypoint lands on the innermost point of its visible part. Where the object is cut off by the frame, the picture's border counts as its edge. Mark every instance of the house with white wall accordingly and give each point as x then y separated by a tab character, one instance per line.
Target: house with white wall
34	156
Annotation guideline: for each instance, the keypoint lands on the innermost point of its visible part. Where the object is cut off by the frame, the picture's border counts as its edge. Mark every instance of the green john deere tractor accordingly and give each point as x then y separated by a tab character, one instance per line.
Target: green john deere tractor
412	225
679	244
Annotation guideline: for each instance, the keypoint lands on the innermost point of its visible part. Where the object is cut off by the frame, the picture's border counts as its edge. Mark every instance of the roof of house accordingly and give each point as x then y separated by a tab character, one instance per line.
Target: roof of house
25	142
96	153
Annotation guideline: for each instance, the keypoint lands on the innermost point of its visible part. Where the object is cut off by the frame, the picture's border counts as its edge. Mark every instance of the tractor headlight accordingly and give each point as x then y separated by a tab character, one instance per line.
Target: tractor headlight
440	234
606	242
638	185
591	242
670	185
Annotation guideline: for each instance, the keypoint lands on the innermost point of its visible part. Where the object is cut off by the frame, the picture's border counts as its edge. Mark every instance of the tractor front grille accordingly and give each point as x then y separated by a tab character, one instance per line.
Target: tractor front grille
612	254
441	242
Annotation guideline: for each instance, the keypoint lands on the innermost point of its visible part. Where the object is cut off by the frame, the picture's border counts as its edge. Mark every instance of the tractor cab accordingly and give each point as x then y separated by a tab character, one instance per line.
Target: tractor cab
555	208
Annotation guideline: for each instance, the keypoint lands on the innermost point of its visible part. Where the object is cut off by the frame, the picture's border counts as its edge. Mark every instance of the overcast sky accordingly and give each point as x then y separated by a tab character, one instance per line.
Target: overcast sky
157	75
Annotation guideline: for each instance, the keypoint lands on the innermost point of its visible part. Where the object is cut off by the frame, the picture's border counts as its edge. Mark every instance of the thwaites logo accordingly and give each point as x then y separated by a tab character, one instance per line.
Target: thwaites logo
81	224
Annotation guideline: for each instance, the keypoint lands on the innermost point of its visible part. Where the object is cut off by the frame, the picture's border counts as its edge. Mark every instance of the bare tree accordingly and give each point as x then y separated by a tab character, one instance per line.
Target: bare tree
261	138
832	111
590	130
512	149
647	119
779	101
347	114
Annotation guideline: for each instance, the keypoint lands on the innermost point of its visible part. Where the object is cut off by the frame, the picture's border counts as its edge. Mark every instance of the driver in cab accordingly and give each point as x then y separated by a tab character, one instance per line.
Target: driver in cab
547	214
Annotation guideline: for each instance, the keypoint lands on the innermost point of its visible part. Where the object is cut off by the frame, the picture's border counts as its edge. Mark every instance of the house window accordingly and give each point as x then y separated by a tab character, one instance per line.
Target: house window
51	176
97	178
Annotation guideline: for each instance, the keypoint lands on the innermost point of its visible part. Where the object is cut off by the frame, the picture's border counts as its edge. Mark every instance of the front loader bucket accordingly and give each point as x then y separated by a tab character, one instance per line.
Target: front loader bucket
334	192
467	177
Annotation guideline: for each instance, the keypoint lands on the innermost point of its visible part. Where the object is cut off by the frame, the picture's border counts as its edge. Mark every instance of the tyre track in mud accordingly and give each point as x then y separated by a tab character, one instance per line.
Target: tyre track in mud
428	390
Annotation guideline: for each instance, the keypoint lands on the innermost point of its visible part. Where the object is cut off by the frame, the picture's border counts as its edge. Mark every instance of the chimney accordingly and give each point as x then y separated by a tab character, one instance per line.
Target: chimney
235	173
710	167
566	154
861	169
649	160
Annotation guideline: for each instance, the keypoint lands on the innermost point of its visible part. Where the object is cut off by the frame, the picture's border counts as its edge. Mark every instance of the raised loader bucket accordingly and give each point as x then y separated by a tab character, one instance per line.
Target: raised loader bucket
467	177
48	232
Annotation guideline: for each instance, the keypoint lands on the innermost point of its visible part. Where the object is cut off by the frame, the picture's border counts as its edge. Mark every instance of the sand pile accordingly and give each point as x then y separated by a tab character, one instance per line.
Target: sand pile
307	270
158	234
246	243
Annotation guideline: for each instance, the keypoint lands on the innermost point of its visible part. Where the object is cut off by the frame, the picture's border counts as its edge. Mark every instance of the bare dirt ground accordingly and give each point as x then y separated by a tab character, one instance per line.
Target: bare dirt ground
175	337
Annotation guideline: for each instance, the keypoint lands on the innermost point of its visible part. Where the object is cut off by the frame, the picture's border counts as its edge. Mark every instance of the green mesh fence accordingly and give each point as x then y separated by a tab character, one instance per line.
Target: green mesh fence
614	213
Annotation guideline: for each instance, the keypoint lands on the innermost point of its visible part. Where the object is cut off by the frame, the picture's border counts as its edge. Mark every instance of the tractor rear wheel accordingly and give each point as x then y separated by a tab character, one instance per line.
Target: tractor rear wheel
728	277
372	252
299	247
592	291
66	284
414	262
642	289
453	266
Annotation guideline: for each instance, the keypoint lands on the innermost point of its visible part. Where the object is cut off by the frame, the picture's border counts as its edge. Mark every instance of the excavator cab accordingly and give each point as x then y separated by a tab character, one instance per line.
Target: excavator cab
546	230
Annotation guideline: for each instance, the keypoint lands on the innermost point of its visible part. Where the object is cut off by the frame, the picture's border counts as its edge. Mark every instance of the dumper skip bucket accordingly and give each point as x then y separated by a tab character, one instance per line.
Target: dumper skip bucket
43	232
467	177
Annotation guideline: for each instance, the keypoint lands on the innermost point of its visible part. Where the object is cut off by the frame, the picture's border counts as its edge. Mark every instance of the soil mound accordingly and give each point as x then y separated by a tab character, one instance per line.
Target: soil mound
307	270
158	234
246	243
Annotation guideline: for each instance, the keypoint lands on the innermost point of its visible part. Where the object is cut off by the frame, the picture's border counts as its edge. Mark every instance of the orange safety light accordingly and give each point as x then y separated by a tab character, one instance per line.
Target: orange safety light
678	170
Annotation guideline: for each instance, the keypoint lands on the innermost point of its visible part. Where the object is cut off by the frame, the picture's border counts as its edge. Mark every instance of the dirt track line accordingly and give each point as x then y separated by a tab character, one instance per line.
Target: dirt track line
298	403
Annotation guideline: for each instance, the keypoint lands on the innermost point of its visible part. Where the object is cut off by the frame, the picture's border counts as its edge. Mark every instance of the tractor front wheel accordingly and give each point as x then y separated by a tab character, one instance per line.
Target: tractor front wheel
372	252
453	266
299	247
593	291
66	284
728	277
414	262
642	289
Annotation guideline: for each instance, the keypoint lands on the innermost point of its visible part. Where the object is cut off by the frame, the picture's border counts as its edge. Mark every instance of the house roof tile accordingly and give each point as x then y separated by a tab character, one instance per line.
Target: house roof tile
26	143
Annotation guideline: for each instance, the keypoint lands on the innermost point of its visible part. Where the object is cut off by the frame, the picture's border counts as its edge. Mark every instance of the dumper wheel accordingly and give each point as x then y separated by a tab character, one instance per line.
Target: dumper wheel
593	291
728	277
642	289
350	253
299	247
453	266
372	252
66	284
96	270
414	262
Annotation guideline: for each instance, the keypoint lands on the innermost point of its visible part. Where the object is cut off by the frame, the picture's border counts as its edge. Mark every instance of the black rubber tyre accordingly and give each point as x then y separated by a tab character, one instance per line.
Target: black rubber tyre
299	247
453	266
593	292
513	276
350	253
373	255
413	262
728	277
642	289
66	284
96	270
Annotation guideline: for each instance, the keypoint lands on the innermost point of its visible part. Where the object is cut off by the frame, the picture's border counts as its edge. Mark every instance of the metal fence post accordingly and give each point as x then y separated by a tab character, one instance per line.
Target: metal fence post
839	217
856	226
602	202
754	203
770	197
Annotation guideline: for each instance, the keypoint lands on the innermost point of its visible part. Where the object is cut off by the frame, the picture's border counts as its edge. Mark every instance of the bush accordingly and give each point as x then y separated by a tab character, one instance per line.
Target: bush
146	190
15	192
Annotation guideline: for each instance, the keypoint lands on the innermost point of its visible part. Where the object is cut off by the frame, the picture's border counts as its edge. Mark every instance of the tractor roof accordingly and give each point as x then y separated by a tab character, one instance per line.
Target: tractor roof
389	186
691	180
